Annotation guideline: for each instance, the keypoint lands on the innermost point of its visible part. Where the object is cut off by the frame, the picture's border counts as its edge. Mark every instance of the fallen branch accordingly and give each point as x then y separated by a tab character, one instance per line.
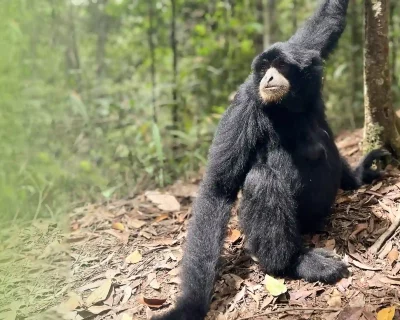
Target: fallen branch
290	309
385	236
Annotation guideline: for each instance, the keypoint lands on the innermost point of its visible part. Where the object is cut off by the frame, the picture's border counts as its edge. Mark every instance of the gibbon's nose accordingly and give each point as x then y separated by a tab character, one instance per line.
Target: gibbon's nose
271	78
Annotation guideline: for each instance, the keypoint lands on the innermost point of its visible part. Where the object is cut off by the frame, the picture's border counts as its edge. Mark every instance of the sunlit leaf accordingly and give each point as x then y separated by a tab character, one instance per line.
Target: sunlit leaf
274	286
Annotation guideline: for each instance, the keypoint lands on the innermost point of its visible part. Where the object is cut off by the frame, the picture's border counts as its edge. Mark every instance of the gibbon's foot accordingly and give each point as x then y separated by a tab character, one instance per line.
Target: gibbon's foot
368	175
181	312
320	265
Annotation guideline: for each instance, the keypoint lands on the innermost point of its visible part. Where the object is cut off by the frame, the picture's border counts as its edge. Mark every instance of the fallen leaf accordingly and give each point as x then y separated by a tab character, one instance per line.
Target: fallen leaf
126	316
350	313
233	280
100	294
73	302
164	202
330	244
267	301
121	236
364	266
335	300
118	226
127	294
233	235
151	302
342	199
134	257
300	294
98	309
386	249
393	255
274	286
137	224
161	217
376	187
386	313
389	281
359	228
238	297
154	284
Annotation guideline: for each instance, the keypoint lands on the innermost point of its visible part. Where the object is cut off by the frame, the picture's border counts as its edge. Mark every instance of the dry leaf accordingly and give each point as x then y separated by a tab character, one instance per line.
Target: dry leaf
127	294
376	187
162	217
118	226
335	300
233	235
386	249
151	302
121	236
359	228
364	266
134	257
100	294
386	314
73	302
393	255
238	297
126	316
137	224
154	284
274	286
164	202
98	309
330	244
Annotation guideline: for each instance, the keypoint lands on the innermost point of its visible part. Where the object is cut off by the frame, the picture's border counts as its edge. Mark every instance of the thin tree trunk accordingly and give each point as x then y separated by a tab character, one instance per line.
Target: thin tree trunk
380	122
175	107
294	15
73	58
102	35
152	57
393	40
354	53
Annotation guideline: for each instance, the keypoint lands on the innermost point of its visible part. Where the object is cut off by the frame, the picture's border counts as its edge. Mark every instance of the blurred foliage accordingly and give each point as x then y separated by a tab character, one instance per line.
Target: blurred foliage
79	99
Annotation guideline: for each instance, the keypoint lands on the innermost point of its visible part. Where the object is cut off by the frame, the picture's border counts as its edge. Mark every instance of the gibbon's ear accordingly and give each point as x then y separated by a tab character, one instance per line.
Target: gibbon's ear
322	31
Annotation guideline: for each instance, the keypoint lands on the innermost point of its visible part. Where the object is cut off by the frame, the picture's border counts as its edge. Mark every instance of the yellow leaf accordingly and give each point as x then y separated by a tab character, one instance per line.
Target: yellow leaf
100	294
274	286
126	316
386	314
118	226
134	257
73	302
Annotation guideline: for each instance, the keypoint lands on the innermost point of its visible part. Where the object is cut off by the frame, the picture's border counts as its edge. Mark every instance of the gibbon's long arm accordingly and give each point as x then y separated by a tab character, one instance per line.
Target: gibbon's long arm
228	163
322	31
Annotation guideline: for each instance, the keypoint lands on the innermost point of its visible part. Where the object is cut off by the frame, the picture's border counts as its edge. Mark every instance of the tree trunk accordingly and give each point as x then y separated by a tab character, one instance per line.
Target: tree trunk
380	121
355	67
174	49
152	58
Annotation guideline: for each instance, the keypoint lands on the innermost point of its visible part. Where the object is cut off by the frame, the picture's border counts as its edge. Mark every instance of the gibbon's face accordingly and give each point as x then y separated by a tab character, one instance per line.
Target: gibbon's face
280	74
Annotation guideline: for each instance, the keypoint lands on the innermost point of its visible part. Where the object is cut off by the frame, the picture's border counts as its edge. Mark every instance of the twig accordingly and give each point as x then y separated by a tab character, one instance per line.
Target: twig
290	309
385	236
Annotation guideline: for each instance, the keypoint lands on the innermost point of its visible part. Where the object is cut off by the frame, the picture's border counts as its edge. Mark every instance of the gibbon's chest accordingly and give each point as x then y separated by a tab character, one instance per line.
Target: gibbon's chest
307	143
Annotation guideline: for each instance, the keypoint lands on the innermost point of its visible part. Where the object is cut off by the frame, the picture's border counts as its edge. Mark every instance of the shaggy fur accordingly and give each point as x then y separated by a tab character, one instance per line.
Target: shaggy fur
283	156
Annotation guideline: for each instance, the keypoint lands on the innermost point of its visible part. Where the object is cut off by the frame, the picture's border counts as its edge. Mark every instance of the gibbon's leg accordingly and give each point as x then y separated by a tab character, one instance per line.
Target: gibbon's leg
363	174
268	218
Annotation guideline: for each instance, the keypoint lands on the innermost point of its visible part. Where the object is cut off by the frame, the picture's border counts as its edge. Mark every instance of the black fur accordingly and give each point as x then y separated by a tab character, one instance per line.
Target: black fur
283	156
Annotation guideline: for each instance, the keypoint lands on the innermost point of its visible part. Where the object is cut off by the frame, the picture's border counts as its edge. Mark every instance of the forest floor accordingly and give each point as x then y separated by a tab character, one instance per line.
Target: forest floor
120	260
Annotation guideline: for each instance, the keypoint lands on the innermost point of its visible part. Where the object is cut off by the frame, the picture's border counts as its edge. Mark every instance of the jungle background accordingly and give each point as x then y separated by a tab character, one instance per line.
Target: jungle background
104	98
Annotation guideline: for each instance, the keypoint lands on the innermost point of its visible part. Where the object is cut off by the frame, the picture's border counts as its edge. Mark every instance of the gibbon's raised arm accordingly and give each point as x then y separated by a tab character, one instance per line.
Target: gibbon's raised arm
322	31
228	163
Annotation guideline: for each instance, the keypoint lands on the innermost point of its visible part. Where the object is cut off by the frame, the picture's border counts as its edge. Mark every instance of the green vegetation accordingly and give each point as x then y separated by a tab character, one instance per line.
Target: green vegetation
103	98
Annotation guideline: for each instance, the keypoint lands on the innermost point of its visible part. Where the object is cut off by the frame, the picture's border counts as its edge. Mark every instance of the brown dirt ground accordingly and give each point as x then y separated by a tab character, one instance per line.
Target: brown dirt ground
104	285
